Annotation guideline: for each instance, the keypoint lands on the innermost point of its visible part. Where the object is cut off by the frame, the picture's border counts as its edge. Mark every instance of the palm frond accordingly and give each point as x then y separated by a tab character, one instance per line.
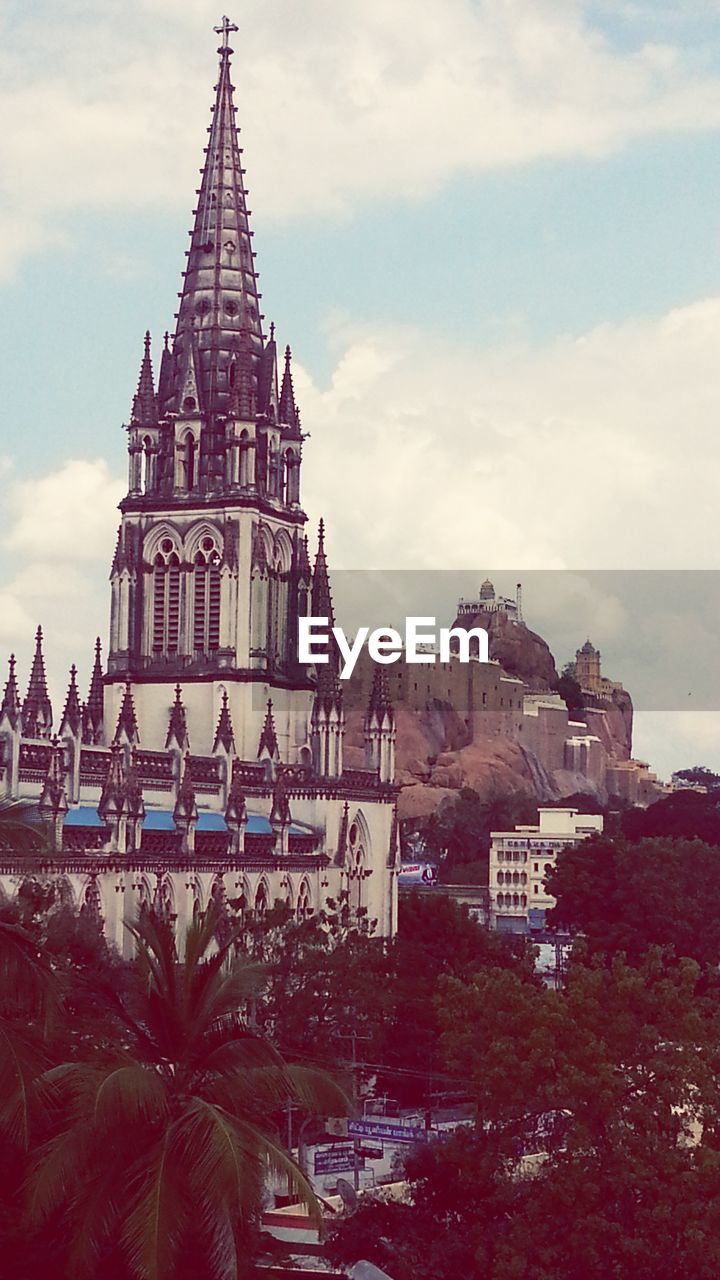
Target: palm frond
153	1228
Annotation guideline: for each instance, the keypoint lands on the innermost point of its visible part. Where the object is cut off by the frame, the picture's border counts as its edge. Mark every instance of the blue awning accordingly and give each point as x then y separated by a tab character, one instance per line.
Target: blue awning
162	820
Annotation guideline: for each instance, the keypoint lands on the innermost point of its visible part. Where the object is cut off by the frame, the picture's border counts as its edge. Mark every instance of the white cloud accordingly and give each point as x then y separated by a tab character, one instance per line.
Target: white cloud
68	514
594	453
340	103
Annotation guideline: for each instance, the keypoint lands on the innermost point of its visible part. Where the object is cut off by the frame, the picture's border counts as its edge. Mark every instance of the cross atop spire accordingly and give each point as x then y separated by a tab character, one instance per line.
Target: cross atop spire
224	30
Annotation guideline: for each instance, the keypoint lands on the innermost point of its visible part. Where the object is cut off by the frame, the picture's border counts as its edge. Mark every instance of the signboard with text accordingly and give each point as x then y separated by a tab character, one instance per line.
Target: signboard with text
386	1132
336	1159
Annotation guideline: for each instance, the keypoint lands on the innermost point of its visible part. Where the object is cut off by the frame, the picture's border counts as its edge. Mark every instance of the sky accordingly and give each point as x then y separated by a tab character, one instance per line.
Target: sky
490	232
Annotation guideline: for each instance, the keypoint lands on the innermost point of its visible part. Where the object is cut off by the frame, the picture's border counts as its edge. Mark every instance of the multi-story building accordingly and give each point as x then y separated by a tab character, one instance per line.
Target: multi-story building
207	762
520	861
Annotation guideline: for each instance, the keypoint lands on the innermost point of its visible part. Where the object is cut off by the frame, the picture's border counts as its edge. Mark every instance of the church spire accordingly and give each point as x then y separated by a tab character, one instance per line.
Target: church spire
320	596
219	303
287	410
11	698
224	736
37	708
268	744
94	707
127	726
177	734
72	715
144	410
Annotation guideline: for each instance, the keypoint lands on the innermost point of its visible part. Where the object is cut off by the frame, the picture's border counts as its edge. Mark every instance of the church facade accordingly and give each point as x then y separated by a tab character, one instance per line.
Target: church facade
206	761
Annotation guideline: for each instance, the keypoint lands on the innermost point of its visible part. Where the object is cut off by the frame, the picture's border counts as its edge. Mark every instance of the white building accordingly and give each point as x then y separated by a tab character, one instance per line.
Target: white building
521	859
206	762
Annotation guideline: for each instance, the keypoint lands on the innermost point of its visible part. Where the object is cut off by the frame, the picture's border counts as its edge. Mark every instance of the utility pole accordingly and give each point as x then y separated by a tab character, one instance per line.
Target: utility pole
353	1036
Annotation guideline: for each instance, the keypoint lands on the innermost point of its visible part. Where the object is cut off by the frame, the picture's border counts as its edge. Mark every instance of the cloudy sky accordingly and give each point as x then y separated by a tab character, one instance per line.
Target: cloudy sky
491	233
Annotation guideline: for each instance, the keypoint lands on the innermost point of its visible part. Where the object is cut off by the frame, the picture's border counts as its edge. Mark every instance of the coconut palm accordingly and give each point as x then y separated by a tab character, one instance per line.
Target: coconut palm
28	1001
163	1148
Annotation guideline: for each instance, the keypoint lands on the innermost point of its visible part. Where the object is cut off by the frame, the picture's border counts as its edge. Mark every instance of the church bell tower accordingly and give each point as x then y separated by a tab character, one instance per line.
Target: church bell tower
211	566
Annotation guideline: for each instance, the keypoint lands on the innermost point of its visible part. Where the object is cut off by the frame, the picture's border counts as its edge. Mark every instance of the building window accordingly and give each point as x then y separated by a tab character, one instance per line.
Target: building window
304	908
206	598
190	461
166	599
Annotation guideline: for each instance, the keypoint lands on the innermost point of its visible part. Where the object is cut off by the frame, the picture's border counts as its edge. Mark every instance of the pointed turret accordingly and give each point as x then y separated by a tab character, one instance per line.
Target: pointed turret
53	804
328	718
380	727
287	409
145	410
134	807
126	730
94	707
177	734
219	299
224	736
321	597
342	844
236	816
268	745
71	722
37	708
185	813
11	704
380	706
280	816
166	375
110	806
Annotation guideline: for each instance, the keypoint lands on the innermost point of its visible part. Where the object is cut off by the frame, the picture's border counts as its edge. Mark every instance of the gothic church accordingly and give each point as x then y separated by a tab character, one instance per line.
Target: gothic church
207	762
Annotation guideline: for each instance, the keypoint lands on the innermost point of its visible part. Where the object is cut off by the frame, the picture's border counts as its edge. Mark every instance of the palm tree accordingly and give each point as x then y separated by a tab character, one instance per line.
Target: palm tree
163	1148
29	997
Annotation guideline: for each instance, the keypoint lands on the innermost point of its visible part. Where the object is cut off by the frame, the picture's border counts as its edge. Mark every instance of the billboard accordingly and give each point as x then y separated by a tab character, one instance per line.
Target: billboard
425	873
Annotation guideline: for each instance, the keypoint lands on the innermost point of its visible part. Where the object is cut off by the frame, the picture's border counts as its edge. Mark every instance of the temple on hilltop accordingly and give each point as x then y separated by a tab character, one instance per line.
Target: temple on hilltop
205	762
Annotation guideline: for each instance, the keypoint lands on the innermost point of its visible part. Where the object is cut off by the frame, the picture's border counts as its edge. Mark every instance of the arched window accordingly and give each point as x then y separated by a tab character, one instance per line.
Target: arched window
206	598
190	461
261	900
244	476
357	867
166	599
146	465
304	906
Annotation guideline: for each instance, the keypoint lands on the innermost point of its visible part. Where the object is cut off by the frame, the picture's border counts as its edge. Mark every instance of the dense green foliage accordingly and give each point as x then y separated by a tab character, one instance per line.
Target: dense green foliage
459	831
625	896
685	814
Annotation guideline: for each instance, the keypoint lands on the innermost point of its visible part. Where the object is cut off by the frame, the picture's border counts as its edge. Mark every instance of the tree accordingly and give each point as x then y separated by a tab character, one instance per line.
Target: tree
162	1142
687	815
569	689
596	1150
627	896
459	831
699	776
